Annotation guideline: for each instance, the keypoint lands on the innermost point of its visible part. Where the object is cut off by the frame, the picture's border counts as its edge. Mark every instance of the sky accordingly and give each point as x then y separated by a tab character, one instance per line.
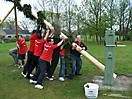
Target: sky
6	6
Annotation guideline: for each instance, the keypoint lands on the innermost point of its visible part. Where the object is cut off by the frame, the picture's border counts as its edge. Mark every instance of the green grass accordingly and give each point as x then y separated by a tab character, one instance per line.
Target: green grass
14	86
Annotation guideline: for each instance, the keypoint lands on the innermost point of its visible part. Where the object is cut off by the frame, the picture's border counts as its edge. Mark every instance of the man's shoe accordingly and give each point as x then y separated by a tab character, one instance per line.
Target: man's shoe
24	75
51	79
32	81
71	76
20	66
16	65
61	79
39	86
31	75
78	74
28	77
46	74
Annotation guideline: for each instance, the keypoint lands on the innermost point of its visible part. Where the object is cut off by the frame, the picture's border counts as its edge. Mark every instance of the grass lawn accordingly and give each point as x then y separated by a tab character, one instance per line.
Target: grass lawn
14	86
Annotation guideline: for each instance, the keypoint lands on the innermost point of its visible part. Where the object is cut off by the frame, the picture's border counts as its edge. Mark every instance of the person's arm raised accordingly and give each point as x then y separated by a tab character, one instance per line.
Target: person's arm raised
63	39
46	36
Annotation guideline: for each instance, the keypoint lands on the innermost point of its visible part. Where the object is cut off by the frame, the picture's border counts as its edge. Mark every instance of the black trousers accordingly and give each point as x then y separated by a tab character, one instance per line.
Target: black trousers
39	74
34	64
54	62
28	63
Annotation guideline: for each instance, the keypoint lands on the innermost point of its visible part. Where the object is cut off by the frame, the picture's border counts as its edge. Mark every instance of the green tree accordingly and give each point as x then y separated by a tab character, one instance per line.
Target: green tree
8	23
122	16
94	10
27	24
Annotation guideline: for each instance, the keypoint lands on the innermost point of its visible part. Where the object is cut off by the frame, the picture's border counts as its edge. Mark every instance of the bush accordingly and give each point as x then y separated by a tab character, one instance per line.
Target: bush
7	40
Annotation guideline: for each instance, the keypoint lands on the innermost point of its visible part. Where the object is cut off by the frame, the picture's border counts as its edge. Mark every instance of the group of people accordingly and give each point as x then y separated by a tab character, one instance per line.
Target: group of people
43	56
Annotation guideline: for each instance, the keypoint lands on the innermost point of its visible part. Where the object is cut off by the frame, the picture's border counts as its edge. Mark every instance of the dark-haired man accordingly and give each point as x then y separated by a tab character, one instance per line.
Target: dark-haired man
39	45
30	52
22	50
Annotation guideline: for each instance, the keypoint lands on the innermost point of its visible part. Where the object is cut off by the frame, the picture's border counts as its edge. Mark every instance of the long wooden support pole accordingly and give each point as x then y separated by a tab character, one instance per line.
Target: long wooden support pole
6	15
91	58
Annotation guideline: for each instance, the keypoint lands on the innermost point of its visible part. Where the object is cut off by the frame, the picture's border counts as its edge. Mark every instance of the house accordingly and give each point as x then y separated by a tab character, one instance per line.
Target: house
11	32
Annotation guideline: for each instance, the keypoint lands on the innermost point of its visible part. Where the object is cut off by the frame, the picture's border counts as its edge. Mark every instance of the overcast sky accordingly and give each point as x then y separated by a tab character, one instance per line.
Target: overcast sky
6	6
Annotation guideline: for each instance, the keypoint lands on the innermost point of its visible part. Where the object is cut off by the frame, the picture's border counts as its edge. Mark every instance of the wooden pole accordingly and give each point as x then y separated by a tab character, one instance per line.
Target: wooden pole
91	58
15	12
6	15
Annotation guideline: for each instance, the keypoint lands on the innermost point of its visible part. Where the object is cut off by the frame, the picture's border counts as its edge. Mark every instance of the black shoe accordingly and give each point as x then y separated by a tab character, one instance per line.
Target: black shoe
70	76
78	74
28	77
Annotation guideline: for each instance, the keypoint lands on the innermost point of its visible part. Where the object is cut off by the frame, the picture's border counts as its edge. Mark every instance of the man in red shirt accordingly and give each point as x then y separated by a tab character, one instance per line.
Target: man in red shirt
22	46
44	58
30	52
39	44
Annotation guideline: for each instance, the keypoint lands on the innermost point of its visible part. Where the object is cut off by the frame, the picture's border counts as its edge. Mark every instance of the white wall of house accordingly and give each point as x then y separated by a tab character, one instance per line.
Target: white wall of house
12	35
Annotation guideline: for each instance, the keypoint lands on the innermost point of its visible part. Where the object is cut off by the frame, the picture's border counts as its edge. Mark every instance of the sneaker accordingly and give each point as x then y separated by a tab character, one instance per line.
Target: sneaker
78	74
39	86
51	79
61	79
31	75
20	66
46	73
32	81
28	77
16	65
71	76
24	75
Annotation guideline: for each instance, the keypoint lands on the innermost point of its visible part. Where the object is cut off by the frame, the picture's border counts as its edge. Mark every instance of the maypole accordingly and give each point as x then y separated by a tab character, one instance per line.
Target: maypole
26	9
15	12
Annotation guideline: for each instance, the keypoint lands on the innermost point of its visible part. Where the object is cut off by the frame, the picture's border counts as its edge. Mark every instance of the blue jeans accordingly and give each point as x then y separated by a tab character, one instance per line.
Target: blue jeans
14	57
62	66
76	64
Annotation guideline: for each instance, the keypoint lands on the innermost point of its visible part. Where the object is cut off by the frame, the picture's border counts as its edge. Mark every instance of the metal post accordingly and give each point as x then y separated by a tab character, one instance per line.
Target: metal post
109	56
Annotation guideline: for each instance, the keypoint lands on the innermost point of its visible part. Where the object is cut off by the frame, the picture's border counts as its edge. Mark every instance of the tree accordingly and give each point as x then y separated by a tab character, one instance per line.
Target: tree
27	24
8	23
122	17
94	9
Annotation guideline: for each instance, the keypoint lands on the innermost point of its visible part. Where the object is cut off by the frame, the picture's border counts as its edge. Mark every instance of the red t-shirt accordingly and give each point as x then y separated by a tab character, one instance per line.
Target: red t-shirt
62	52
32	42
22	46
48	51
39	44
78	43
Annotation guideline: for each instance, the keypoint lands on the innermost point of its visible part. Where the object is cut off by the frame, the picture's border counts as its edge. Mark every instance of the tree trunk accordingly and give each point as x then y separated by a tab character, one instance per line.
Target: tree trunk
97	40
131	36
100	40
